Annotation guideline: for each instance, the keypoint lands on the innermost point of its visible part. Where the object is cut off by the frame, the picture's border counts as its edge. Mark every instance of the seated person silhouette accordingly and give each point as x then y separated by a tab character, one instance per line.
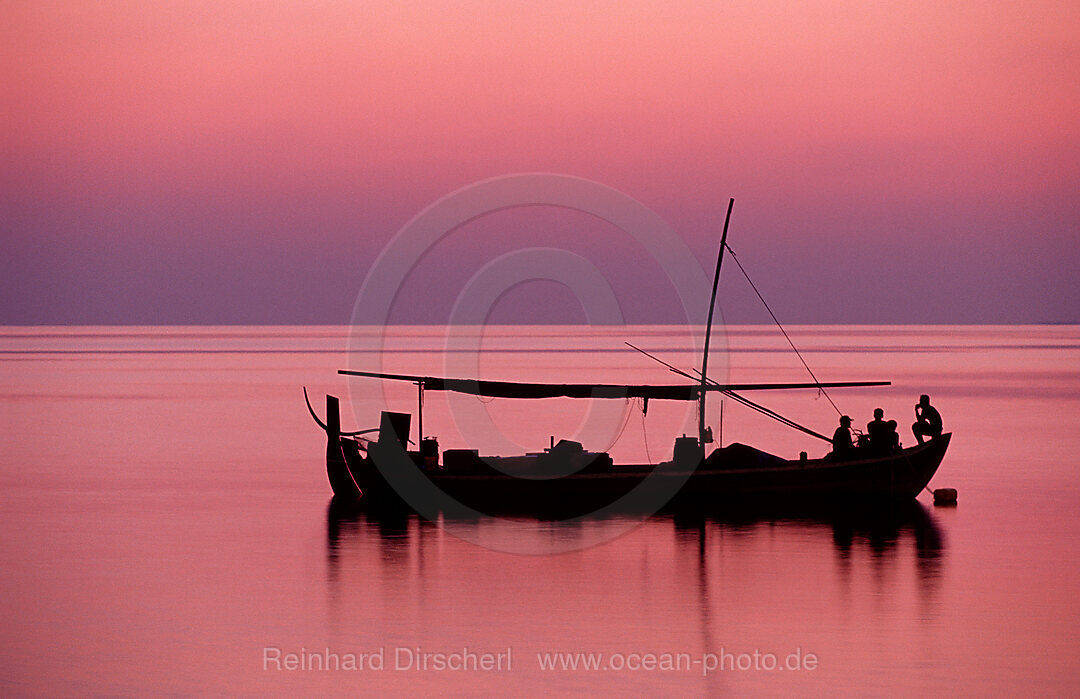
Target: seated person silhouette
842	445
883	435
927	420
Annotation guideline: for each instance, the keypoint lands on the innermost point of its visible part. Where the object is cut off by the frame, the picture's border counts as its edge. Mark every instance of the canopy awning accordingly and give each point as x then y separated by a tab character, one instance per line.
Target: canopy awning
514	389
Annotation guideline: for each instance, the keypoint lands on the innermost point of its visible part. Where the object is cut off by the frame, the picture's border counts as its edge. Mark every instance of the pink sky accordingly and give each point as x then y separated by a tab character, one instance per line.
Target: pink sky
220	162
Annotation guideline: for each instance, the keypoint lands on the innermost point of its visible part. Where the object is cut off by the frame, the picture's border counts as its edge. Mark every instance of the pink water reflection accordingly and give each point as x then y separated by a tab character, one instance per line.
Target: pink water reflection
167	518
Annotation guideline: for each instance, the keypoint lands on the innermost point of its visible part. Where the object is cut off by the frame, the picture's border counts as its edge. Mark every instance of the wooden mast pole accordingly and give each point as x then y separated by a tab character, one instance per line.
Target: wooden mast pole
708	329
419	412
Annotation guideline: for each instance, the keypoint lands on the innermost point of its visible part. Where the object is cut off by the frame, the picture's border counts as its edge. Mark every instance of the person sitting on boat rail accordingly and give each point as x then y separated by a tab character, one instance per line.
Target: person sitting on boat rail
841	438
883	435
927	420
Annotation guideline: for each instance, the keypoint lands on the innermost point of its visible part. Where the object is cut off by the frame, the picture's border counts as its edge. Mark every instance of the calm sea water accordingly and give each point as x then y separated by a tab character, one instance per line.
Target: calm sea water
168	528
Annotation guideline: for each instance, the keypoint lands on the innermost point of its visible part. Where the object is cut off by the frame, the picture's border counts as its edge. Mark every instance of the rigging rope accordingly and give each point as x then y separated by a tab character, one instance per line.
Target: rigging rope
645	436
736	397
775	415
775	320
626	421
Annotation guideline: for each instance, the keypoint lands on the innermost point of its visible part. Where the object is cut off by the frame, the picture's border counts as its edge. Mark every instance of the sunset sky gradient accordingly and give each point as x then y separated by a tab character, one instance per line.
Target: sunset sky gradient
244	162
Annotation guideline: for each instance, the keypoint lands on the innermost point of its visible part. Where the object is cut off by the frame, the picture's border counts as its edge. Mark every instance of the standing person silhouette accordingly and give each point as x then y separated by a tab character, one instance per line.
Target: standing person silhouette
927	420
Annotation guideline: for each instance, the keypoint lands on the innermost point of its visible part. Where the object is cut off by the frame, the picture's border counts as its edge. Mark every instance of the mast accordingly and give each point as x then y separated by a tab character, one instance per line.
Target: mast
708	329
419	412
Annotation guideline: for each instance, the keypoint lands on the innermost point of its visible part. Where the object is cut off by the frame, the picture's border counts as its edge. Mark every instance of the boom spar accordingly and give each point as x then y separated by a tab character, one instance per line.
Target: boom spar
513	389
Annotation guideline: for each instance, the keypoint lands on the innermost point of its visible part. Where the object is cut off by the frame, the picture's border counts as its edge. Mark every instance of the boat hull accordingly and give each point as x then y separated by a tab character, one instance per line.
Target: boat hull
898	475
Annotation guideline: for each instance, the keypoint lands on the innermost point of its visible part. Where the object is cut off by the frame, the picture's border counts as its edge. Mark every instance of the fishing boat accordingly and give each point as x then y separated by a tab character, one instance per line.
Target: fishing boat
378	468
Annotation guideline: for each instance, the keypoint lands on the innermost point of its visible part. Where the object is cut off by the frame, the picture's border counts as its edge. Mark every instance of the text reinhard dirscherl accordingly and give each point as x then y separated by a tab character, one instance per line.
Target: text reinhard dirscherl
398	658
403	658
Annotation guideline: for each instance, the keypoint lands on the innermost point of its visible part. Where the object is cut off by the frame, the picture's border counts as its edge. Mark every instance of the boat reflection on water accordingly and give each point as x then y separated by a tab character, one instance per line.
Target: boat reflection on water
878	531
878	525
700	583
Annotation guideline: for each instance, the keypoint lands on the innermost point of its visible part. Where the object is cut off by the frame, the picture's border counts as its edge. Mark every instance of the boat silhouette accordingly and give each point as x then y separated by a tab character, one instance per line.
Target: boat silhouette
566	478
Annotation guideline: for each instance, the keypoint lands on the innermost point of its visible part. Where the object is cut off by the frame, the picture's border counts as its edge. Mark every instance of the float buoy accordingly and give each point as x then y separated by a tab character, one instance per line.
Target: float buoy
945	496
